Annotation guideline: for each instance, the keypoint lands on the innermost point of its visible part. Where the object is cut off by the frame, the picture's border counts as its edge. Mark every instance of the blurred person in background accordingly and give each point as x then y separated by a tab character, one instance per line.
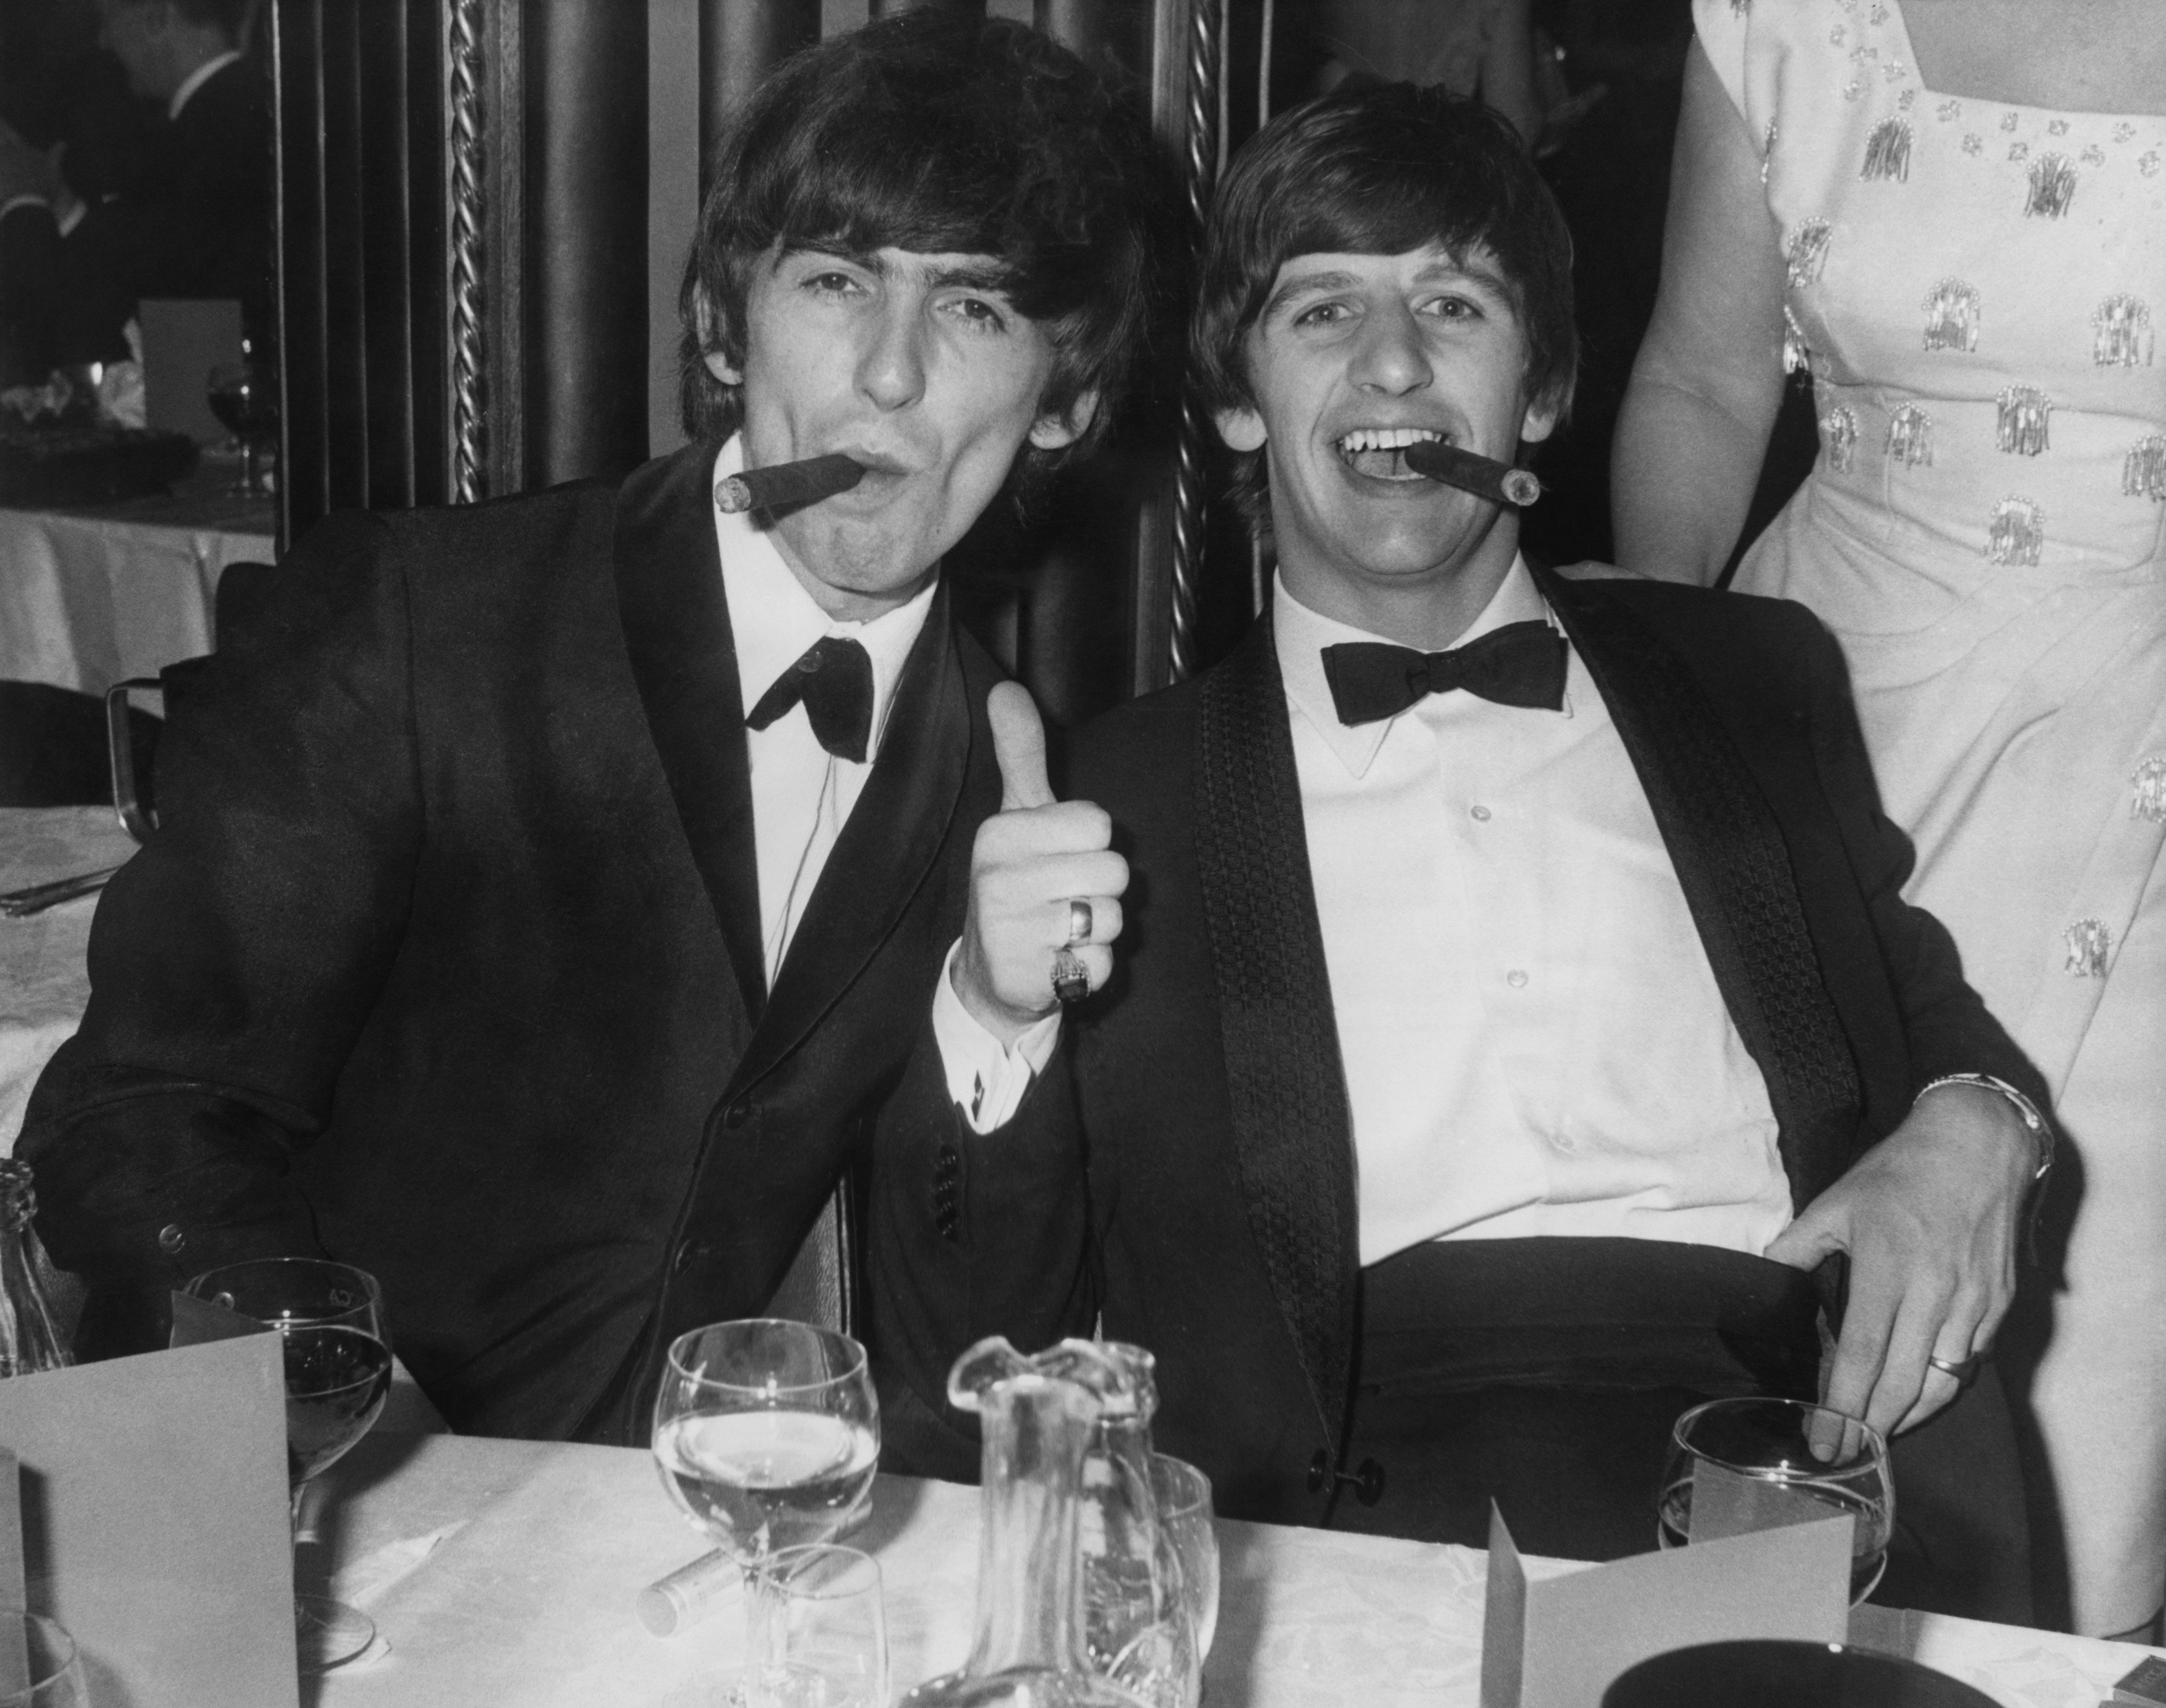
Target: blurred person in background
1471	47
1951	215
176	207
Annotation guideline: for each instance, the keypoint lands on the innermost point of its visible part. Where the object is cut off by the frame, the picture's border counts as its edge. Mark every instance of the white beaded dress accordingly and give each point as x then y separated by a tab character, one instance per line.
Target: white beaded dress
1974	287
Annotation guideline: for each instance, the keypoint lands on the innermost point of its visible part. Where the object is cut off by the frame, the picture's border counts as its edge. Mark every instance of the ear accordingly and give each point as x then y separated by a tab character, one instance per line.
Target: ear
707	322
1242	430
1539	422
722	368
1052	432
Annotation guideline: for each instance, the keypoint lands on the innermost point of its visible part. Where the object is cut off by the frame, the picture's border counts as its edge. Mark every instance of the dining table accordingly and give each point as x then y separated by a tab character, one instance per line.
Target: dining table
506	1572
93	595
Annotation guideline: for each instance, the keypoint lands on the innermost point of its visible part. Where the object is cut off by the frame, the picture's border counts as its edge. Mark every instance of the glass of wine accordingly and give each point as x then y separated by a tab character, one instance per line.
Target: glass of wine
766	1434
1736	1466
338	1375
239	399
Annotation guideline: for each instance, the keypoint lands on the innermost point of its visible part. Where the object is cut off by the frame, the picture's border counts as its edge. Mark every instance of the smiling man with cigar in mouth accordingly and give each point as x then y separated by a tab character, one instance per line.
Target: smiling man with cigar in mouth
548	890
1503	1021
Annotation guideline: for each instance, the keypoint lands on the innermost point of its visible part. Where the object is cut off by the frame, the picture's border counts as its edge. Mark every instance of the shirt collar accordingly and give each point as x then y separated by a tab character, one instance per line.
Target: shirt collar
1301	635
774	620
197	78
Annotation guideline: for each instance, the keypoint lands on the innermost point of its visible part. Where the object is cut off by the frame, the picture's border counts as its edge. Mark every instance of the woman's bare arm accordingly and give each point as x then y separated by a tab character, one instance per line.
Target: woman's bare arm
1709	378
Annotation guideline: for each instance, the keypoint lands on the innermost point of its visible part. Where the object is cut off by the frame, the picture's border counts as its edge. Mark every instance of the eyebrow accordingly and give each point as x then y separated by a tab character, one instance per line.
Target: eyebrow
1302	282
988	275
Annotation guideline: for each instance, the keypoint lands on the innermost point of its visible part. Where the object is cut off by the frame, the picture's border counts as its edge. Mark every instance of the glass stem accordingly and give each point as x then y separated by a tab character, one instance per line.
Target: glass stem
767	1634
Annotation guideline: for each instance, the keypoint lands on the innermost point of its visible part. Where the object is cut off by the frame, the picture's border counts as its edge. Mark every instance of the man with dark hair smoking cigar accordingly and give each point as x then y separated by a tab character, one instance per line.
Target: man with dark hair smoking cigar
1514	1024
548	890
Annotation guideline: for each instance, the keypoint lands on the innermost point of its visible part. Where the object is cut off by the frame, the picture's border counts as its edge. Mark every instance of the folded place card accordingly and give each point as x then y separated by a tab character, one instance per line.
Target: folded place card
152	1495
1559	1642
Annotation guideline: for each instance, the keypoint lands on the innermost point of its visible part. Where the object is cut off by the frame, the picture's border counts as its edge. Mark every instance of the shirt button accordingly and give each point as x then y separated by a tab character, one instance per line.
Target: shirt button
171	1239
1479	815
737	1113
1515	979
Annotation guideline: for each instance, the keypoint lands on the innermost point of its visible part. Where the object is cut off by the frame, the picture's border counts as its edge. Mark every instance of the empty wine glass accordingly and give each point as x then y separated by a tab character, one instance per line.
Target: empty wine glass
338	1374
1741	1465
766	1434
39	1665
1184	1513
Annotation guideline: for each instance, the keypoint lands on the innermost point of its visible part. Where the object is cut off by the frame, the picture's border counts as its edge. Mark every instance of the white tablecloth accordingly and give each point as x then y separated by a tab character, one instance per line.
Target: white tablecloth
88	601
44	983
504	1572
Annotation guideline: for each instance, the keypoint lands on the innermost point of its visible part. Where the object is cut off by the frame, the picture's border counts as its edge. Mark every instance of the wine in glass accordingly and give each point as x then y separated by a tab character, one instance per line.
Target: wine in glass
766	1434
1741	1465
238	398
330	1317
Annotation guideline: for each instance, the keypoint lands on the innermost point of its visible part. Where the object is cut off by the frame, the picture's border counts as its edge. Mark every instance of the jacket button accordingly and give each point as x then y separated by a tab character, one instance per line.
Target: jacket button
1319	1470
171	1239
685	1253
737	1113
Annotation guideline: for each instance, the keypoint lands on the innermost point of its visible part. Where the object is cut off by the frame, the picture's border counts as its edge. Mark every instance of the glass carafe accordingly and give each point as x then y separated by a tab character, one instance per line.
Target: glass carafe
30	1337
1136	1619
1036	1422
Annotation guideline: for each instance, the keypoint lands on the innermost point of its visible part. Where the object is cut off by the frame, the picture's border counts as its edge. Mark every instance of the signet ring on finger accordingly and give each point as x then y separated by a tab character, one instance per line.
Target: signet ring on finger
1071	979
1079	921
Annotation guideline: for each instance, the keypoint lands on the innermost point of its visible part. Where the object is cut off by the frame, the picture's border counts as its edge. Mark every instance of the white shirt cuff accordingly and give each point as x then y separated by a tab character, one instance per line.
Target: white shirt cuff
986	1079
73	217
15	202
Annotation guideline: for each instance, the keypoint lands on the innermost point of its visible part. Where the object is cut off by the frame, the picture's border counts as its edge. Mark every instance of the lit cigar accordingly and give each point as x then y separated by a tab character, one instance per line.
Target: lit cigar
804	482
688	1594
1497	482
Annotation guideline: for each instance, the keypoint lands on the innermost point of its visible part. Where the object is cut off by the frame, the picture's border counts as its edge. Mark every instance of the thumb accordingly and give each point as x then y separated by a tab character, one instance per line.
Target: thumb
1810	1238
1019	747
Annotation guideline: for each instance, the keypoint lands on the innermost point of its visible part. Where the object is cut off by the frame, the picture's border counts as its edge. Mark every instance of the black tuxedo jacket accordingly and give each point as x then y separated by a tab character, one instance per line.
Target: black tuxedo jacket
1187	1175
445	959
195	221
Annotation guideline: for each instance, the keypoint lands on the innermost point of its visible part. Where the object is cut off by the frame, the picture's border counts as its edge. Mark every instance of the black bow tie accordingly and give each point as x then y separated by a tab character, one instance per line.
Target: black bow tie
834	678
1521	664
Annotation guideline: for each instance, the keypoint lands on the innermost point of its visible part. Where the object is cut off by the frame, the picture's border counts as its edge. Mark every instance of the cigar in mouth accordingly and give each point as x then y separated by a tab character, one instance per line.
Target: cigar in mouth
784	484
1497	482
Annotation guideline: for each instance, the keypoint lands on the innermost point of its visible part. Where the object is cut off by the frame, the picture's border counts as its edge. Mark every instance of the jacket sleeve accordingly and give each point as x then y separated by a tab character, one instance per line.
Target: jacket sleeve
235	959
1948	1028
971	1234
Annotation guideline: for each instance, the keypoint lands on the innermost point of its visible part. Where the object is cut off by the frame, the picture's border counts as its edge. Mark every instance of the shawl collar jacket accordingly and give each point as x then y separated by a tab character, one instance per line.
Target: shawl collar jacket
1187	1181
447	958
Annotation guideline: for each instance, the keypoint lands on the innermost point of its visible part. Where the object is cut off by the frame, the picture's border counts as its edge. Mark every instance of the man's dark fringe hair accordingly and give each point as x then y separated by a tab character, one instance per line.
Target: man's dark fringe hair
1377	170
942	134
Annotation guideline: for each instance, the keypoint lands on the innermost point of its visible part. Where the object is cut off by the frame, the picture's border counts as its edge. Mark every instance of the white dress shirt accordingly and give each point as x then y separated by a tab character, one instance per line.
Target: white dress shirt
801	794
1533	1038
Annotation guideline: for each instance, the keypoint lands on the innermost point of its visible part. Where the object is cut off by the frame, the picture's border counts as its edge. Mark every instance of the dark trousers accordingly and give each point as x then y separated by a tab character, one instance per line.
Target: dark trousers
1546	1375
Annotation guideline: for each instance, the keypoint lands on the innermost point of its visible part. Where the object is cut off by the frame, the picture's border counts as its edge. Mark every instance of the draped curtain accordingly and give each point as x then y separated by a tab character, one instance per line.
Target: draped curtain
463	290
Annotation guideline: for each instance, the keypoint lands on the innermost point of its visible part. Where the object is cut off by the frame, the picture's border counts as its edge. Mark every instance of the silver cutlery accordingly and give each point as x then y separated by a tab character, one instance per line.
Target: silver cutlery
20	904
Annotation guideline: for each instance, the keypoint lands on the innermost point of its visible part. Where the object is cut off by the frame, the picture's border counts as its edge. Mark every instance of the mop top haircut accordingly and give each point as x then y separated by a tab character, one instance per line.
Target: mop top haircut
1378	170
942	134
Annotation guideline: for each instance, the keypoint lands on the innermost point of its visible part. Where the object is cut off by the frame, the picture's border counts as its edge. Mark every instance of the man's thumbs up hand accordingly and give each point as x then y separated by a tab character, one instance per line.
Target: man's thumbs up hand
1033	860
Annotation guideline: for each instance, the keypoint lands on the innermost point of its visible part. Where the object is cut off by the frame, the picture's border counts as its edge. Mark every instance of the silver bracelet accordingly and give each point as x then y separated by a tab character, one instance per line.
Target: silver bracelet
2040	1129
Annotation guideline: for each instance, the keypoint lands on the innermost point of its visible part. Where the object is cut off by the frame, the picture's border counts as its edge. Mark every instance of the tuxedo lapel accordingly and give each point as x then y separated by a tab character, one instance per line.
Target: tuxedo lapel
1734	866
1293	1132
684	658
889	842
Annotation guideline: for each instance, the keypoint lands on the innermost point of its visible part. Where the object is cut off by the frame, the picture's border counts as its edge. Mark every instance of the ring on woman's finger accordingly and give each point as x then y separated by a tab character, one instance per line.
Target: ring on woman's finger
1071	979
1079	921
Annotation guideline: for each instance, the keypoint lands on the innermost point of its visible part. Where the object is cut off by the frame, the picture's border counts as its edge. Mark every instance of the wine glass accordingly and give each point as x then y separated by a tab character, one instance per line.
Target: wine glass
338	1375
1736	1466
1184	1513
238	398
45	1672
831	1630
767	1433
